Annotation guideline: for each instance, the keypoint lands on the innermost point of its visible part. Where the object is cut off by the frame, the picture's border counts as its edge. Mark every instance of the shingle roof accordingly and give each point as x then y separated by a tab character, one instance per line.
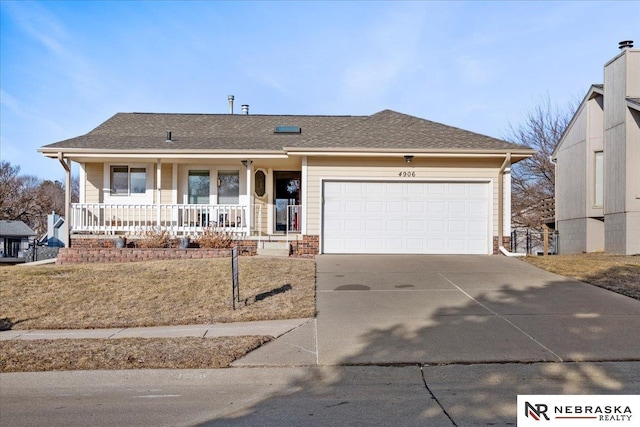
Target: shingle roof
389	129
383	130
635	103
15	229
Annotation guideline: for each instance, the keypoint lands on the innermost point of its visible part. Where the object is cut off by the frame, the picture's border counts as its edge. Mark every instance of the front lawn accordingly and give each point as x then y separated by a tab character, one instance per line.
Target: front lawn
175	292
153	293
617	273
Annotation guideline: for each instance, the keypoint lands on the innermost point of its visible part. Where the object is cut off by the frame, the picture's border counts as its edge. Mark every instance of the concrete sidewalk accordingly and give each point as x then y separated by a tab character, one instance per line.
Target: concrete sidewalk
274	328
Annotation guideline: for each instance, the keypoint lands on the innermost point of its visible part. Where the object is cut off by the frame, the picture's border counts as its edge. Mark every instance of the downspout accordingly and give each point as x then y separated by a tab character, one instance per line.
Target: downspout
66	164
505	164
555	207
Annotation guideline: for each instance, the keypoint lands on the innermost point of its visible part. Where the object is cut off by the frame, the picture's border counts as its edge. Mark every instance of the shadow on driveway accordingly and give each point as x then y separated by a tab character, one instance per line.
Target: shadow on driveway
465	360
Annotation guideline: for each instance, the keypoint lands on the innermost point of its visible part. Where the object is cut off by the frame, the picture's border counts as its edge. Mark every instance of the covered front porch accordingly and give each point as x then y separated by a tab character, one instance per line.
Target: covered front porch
186	195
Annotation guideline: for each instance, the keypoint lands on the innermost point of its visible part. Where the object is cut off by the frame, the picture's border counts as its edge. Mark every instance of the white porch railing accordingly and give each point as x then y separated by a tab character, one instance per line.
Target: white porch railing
176	219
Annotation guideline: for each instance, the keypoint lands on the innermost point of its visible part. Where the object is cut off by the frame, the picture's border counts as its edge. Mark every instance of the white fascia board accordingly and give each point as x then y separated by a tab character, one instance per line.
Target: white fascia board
520	153
593	91
93	154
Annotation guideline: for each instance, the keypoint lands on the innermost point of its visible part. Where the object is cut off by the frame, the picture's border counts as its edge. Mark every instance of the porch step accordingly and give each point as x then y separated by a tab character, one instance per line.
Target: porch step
274	249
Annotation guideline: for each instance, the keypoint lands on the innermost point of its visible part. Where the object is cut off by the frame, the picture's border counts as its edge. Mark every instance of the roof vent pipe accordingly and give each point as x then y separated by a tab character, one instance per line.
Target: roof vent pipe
245	109
169	137
625	44
230	98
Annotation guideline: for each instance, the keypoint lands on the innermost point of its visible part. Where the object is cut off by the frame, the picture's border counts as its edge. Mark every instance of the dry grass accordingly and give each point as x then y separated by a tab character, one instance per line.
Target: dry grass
124	353
617	273
153	293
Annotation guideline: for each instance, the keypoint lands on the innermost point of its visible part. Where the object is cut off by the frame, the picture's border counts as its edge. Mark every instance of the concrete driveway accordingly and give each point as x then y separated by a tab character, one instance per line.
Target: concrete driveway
465	309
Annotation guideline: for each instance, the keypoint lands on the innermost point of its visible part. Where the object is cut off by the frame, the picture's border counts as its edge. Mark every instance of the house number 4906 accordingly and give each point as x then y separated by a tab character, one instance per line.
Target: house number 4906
407	174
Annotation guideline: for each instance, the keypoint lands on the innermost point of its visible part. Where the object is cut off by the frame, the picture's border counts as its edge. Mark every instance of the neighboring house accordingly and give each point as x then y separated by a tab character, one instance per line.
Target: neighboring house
385	183
15	237
598	165
56	231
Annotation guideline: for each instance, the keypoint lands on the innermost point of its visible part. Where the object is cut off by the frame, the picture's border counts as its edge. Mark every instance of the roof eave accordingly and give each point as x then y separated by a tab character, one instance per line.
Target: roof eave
593	91
154	154
440	152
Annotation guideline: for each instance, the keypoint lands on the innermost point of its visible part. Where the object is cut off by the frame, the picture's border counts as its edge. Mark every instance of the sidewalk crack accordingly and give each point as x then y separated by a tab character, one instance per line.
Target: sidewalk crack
433	397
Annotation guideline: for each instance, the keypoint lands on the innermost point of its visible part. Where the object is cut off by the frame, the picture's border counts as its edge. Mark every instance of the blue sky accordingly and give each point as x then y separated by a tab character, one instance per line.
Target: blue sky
67	66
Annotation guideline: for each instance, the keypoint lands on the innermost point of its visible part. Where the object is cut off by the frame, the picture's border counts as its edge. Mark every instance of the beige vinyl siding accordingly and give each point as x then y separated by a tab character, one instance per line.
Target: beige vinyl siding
388	169
166	184
260	223
94	185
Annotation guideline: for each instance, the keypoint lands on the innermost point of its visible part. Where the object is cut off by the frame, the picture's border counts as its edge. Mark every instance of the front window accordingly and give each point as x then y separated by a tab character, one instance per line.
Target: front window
228	187
599	179
199	183
126	180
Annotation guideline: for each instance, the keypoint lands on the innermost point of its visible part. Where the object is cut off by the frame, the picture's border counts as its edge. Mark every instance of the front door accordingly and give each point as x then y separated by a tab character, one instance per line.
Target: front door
287	201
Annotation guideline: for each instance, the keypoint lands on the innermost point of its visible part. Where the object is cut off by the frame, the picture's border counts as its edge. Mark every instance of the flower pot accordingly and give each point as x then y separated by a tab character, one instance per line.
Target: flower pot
120	242
184	242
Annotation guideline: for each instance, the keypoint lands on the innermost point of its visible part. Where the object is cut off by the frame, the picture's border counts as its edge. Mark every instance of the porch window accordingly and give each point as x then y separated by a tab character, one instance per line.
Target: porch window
199	184
228	187
126	180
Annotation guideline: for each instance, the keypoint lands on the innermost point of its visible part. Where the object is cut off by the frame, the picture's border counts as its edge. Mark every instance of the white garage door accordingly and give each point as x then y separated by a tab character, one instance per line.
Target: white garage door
406	217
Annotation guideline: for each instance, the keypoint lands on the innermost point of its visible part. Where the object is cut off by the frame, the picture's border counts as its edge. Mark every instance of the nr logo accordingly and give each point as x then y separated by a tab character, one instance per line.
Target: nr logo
536	411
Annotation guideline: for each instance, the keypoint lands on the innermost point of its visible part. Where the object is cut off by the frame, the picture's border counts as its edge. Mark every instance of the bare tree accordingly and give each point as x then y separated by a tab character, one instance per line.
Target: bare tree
27	198
533	180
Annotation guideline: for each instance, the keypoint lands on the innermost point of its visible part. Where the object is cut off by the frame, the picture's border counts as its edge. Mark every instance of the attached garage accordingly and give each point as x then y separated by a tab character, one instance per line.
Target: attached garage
393	217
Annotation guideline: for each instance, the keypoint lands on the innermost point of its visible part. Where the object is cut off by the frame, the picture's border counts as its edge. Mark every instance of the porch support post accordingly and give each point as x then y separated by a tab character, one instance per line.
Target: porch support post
303	198
159	193
501	208
66	164
247	164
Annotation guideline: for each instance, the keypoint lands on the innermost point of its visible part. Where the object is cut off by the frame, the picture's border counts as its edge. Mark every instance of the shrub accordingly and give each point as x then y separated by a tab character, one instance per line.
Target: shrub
153	239
211	238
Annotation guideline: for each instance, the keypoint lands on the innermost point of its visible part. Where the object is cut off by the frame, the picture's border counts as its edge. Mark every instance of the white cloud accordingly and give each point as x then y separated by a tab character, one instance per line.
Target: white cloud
8	101
38	23
45	29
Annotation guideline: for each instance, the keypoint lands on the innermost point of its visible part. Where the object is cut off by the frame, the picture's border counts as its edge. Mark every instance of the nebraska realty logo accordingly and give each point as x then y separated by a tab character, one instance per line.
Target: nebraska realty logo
578	410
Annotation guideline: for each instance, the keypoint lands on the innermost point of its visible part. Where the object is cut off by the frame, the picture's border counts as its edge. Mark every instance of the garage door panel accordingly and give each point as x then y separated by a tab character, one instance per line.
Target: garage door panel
436	189
457	226
477	228
457	244
372	226
435	226
394	207
457	190
353	188
457	208
436	207
354	225
477	208
392	226
415	226
406	217
416	207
